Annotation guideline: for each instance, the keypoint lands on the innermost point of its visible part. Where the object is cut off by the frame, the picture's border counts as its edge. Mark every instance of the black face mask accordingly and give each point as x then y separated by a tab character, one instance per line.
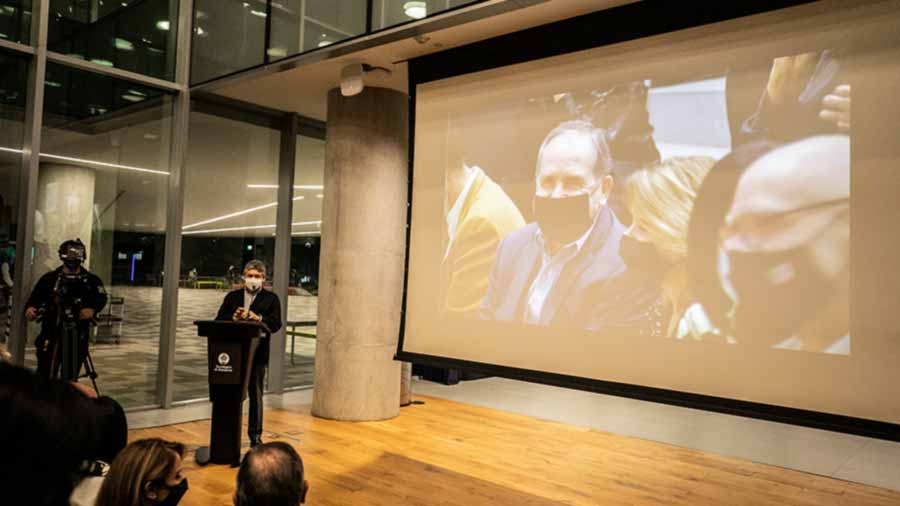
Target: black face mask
175	494
640	256
777	293
563	220
72	264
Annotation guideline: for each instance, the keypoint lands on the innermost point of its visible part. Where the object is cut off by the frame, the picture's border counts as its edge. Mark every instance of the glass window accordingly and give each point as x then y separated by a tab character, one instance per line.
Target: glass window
303	298
229	219
229	35
322	23
15	20
135	35
386	13
13	72
103	178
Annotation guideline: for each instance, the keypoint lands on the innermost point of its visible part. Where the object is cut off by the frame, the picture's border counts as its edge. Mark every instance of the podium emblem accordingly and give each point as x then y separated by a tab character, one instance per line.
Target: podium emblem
224	359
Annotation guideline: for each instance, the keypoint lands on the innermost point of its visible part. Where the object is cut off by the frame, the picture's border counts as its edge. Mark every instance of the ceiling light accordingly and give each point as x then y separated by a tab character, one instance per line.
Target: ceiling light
105	63
258	13
90	163
132	98
296	186
200	31
163	25
94	163
248	227
123	45
53	84
415	10
234	214
324	42
3	36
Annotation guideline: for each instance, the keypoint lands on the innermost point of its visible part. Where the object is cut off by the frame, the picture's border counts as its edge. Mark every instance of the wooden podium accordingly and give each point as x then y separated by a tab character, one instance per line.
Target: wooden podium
230	351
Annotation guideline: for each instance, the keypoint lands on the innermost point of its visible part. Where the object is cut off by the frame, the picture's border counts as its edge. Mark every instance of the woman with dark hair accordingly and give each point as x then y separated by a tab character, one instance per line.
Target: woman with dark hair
147	472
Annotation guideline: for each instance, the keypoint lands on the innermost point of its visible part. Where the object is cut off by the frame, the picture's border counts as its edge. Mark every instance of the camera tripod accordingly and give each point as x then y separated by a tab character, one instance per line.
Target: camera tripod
67	360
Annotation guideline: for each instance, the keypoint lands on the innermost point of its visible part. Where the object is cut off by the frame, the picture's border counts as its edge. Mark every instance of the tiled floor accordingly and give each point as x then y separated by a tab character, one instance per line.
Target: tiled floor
128	370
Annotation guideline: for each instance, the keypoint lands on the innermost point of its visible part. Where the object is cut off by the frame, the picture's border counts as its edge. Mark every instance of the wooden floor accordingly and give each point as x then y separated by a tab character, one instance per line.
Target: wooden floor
450	454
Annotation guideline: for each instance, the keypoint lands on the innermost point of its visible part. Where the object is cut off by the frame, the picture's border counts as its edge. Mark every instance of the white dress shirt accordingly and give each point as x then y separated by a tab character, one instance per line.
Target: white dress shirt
249	298
551	268
454	214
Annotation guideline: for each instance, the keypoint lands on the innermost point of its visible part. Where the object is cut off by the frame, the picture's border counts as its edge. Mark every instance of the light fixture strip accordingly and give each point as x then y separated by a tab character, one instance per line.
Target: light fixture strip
249	227
236	214
89	163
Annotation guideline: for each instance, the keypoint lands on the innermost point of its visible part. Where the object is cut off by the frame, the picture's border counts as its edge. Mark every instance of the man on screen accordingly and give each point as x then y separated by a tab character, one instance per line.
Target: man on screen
787	241
479	214
565	268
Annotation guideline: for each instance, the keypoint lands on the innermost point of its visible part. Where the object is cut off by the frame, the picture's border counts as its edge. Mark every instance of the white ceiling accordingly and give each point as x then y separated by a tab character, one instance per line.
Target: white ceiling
304	88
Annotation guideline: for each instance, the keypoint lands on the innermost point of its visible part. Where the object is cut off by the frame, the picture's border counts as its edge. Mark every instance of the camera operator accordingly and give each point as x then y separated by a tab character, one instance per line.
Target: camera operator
69	292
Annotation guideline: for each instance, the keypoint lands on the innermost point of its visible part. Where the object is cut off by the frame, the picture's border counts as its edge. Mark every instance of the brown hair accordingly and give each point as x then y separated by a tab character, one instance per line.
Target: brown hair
147	461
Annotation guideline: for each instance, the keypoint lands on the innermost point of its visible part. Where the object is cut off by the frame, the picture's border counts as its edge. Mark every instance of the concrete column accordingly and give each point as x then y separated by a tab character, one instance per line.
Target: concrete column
362	256
65	210
405	384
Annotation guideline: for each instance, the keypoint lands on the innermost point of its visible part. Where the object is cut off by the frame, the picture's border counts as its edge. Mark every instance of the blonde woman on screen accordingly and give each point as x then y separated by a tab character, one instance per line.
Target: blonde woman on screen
660	198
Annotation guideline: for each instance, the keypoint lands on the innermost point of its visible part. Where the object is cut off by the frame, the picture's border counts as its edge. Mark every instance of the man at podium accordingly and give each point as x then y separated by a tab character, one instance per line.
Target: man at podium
254	303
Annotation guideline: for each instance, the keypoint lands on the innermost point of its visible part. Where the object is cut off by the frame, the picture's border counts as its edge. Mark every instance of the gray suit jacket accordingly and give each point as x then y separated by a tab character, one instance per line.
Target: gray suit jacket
594	292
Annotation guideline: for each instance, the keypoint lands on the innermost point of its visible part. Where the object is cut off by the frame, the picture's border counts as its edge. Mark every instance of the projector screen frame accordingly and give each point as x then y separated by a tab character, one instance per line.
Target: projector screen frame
567	36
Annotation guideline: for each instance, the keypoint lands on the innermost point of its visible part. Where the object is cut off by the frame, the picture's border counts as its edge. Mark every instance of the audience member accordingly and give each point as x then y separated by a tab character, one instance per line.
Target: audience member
660	199
479	214
147	472
271	474
565	269
788	246
54	433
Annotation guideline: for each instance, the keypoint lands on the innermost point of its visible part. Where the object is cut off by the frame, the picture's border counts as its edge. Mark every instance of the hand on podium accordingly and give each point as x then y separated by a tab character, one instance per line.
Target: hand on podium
245	314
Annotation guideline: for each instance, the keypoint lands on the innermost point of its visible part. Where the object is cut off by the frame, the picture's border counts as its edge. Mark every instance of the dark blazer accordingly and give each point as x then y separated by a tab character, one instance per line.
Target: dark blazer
594	291
266	305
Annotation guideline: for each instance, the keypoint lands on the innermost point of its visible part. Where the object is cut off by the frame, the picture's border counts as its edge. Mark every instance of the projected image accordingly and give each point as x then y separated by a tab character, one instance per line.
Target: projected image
709	208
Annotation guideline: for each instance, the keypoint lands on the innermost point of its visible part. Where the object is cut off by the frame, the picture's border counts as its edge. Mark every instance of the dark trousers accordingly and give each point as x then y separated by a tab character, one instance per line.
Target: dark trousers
255	392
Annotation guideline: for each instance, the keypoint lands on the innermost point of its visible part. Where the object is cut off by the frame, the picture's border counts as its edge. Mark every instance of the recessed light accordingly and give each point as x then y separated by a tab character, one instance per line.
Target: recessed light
323	43
105	63
163	25
415	10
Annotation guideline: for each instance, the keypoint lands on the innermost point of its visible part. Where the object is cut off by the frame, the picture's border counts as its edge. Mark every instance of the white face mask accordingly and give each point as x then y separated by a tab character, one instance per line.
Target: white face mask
253	284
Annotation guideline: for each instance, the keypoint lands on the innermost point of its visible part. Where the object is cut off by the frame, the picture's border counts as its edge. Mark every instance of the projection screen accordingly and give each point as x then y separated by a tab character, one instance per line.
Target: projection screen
695	211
